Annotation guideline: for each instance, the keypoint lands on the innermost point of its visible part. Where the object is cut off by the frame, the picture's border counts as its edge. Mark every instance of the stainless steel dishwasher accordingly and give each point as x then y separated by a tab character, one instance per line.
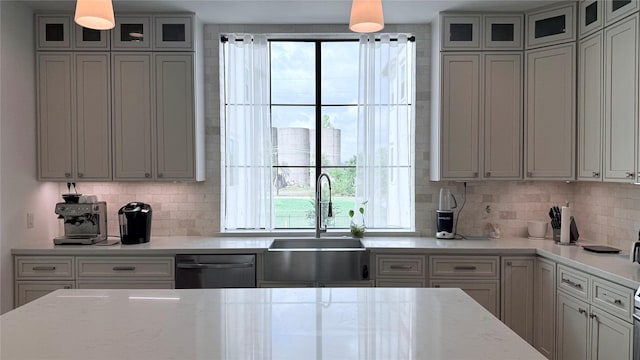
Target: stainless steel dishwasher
215	271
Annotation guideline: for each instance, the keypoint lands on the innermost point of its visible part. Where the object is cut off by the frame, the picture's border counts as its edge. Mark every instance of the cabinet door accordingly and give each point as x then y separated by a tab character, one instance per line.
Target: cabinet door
132	116
55	116
550	26
115	284
502	116
618	9
131	33
573	328
173	32
90	39
53	32
461	32
590	107
544	321
611	338
591	16
621	100
517	295
503	32
175	120
93	116
27	291
550	113
460	115
485	292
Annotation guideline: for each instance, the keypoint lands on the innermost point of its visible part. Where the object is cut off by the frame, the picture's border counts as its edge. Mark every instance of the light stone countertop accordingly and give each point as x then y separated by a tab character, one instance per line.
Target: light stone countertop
321	323
613	267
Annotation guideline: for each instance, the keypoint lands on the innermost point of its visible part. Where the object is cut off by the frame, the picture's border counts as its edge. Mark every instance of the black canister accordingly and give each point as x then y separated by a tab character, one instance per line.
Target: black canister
135	223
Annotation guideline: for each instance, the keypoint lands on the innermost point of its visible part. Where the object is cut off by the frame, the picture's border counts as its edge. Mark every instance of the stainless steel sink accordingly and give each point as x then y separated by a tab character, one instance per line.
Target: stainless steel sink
323	261
316	244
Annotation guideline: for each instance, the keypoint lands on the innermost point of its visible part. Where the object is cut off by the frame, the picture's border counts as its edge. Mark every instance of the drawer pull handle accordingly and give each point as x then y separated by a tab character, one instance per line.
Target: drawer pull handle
67	286
436	286
594	316
577	286
617	302
582	311
465	267
401	267
124	268
44	268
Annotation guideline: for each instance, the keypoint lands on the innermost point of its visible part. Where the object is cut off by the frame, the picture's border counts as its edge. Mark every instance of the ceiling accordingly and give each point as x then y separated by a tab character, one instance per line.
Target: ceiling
298	11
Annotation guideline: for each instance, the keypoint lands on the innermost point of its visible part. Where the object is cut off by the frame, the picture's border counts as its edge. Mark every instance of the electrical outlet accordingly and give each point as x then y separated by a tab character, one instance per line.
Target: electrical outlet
29	220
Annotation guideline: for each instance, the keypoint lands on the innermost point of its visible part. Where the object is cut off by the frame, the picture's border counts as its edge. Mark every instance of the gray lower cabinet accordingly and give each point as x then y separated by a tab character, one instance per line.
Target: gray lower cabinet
26	291
544	312
400	270
518	295
485	292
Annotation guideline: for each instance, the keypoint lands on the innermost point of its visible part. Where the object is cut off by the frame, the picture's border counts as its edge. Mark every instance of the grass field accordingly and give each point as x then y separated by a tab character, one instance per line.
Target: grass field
299	212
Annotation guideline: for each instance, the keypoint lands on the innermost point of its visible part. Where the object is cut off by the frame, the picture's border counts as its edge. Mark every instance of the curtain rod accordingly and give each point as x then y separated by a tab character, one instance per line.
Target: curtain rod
225	39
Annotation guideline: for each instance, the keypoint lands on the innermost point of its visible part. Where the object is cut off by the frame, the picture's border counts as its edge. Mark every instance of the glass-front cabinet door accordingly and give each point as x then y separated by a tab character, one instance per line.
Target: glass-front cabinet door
503	32
460	32
173	32
591	17
90	39
53	32
552	25
131	32
617	9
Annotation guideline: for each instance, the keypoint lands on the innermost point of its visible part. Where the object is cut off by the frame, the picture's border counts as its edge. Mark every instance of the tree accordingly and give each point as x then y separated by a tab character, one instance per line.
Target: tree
343	179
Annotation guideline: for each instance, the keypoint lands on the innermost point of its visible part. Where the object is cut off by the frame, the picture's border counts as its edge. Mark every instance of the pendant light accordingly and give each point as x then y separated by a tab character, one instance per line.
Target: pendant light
366	16
95	14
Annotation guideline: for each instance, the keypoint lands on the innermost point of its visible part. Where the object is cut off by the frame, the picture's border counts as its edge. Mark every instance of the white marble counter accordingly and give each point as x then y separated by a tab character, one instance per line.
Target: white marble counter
322	323
614	267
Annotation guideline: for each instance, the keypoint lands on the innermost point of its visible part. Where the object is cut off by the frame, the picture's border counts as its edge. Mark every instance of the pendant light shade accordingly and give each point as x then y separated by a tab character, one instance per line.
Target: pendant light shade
95	14
366	16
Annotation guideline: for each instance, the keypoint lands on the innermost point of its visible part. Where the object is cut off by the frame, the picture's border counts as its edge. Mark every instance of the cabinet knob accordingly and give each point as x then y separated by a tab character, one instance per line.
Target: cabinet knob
593	316
595	174
67	175
80	174
629	174
67	287
582	311
147	175
487	174
436	286
160	175
475	174
529	173
617	302
509	263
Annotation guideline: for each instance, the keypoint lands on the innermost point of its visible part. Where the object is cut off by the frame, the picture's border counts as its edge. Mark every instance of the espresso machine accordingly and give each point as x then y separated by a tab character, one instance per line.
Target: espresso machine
444	215
84	223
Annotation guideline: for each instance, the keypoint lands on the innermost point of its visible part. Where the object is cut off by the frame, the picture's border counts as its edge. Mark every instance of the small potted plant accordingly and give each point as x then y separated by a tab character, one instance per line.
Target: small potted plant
356	227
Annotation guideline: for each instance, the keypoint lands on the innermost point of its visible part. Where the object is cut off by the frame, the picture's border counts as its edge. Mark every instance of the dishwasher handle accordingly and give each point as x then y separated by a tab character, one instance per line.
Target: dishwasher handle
214	266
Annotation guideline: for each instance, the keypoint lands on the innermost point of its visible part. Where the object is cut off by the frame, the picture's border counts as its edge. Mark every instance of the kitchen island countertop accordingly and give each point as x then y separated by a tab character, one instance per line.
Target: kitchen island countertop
614	267
322	323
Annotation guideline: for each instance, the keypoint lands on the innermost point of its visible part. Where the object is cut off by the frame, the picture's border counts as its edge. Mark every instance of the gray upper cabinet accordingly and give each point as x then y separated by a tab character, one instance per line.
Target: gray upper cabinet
93	116
550	119
615	10
132	32
590	107
590	16
55	116
621	100
174	117
551	25
132	116
503	32
502	118
53	32
173	32
461	32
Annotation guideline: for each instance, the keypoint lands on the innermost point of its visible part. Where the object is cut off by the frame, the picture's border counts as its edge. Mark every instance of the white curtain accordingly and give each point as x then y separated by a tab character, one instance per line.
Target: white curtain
384	174
247	134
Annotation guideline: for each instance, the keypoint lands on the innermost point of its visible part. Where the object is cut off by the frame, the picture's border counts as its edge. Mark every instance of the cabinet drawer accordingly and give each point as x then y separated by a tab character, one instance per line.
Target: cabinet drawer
401	283
109	284
464	266
574	282
160	268
614	298
44	267
405	266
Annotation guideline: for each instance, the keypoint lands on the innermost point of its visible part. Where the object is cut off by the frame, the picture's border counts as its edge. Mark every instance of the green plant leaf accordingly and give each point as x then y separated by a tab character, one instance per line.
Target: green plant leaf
351	213
361	210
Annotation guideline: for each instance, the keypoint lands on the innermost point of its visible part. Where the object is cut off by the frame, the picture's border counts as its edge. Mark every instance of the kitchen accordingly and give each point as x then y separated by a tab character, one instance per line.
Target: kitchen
605	212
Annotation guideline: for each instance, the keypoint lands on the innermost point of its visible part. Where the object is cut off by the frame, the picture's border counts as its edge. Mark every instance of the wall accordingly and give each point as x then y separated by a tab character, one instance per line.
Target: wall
19	191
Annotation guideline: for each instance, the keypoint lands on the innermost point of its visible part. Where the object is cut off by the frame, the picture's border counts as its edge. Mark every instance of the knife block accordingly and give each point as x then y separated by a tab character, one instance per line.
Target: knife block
573	229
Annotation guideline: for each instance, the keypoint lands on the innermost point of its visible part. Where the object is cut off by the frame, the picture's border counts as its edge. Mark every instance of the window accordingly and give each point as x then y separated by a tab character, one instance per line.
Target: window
318	119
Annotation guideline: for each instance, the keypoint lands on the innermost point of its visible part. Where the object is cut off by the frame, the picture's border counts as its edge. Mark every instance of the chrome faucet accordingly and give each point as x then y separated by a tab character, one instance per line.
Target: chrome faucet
319	204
